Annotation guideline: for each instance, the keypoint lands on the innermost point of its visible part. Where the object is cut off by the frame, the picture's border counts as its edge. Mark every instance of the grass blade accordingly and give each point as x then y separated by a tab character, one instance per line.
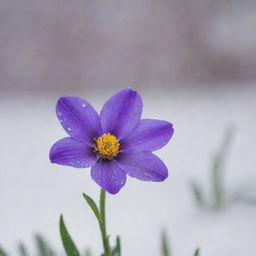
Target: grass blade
198	194
164	245
219	161
22	250
69	246
43	249
117	250
197	252
93	206
2	252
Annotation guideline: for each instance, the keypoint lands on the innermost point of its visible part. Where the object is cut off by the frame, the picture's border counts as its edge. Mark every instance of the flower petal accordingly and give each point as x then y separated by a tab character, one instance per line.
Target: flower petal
109	176
144	166
78	118
69	152
121	113
149	135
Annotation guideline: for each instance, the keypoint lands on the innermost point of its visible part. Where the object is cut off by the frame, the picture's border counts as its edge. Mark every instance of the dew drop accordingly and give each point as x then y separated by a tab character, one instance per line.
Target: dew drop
84	105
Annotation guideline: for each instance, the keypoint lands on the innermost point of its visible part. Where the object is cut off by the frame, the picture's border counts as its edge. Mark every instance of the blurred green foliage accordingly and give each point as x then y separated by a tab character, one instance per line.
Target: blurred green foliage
42	248
197	252
164	245
165	248
217	176
2	252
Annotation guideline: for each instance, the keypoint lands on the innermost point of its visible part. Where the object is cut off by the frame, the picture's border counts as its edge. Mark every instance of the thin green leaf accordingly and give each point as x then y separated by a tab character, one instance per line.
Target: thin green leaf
197	252
93	206
69	246
117	250
2	252
22	250
164	245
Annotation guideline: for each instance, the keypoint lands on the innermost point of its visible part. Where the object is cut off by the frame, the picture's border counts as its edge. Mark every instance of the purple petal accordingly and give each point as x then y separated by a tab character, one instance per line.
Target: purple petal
78	118
121	113
149	135
144	166
69	152
109	176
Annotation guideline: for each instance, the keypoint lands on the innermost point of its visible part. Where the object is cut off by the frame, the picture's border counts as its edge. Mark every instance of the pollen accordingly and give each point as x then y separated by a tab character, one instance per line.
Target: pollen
107	146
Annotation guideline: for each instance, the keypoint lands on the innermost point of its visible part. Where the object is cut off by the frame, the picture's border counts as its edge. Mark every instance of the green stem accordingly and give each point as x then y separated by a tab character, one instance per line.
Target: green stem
102	222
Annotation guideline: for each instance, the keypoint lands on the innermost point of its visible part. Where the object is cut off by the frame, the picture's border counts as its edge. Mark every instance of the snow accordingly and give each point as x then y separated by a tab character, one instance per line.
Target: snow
34	192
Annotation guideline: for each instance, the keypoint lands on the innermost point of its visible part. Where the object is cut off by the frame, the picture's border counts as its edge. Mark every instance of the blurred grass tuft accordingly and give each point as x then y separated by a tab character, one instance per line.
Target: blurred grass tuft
197	252
217	176
164	245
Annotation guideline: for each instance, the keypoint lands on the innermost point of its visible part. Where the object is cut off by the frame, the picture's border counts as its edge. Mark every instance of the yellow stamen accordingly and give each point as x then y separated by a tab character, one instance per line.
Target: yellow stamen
107	146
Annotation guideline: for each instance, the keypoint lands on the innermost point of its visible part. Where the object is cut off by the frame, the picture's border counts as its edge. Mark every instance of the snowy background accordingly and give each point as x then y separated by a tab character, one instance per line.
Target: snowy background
194	64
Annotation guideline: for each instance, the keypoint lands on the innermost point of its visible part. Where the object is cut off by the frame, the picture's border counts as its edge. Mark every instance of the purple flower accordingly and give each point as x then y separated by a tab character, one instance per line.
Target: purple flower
115	143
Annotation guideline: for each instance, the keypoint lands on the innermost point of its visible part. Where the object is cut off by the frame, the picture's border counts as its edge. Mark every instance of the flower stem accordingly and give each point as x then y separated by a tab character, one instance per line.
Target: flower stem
102	222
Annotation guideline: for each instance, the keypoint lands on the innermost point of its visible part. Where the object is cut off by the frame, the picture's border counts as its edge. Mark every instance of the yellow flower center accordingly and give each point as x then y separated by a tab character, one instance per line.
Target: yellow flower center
107	146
